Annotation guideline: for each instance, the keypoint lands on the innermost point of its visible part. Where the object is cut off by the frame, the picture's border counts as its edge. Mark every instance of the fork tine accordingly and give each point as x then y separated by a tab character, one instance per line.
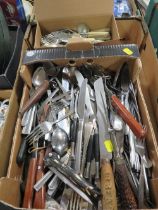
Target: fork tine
35	132
30	139
37	136
32	134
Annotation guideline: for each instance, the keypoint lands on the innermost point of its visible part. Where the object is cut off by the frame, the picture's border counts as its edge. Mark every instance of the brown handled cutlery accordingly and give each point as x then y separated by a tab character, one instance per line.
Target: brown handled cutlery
136	127
35	98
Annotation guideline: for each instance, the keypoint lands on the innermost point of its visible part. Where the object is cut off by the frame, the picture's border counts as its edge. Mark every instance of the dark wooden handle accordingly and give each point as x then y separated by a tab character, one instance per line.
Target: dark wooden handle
28	195
128	118
36	97
108	189
39	199
127	198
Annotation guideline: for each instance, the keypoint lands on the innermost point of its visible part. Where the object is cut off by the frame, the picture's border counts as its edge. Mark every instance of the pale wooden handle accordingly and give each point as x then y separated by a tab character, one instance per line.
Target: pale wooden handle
109	200
102	30
96	34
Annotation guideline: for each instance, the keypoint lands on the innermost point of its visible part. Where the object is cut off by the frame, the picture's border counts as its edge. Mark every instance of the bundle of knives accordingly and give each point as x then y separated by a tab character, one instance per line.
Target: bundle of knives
83	141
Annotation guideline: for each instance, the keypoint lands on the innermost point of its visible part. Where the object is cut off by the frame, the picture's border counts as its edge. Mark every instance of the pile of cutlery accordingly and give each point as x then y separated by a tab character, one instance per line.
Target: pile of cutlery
84	145
61	37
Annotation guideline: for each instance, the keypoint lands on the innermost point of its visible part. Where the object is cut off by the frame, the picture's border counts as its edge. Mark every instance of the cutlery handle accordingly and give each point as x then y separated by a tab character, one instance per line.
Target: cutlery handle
36	97
74	129
78	154
28	195
127	197
89	157
109	200
98	34
22	152
39	199
96	154
136	127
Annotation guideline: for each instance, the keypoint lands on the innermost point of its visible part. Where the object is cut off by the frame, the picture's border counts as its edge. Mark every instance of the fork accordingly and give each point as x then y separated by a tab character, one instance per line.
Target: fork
44	128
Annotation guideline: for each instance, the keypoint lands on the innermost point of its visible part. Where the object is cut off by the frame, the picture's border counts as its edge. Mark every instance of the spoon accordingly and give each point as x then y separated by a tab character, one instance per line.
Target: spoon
59	141
38	77
82	28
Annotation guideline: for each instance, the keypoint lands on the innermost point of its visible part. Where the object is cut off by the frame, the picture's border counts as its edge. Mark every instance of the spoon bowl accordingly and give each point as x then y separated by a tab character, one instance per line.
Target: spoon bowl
59	141
38	77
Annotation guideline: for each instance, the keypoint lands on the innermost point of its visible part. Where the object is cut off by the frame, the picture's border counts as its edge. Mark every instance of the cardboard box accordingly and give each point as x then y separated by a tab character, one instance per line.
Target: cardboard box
131	29
147	98
14	174
8	75
57	14
14	95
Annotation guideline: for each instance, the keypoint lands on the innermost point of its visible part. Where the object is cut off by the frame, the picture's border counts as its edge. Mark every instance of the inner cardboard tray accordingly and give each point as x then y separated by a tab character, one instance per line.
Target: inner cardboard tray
96	16
13	179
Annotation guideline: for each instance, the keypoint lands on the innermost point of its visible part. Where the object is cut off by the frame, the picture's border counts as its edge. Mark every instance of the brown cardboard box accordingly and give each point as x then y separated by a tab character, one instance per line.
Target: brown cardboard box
14	174
6	134
146	83
131	29
57	14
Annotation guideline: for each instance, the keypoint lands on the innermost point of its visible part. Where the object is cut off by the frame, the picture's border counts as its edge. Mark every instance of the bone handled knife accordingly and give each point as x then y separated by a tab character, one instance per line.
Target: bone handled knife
108	190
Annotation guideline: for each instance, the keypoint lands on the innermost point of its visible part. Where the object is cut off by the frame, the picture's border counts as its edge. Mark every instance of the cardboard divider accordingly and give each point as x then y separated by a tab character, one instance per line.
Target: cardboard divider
111	63
130	30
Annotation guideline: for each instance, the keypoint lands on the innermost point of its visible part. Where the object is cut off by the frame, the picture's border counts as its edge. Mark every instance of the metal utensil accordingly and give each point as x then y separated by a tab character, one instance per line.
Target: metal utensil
59	140
108	190
83	28
38	77
82	185
44	128
80	110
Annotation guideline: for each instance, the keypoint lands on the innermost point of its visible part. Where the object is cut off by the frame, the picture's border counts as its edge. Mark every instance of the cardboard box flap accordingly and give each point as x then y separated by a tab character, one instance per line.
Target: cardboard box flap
46	10
9	191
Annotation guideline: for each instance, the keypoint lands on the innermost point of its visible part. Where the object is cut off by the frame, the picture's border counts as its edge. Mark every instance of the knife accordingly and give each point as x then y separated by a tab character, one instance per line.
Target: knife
108	189
92	120
80	110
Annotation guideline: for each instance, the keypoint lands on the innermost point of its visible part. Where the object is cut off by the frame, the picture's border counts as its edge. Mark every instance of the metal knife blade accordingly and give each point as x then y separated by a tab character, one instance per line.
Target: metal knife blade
102	118
81	99
80	79
80	110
